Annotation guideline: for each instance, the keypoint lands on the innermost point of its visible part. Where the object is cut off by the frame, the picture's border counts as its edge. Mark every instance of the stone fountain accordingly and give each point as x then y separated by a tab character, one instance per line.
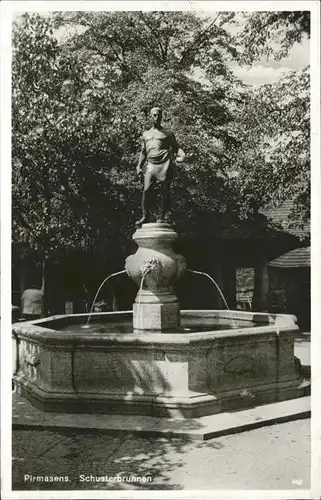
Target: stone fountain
157	360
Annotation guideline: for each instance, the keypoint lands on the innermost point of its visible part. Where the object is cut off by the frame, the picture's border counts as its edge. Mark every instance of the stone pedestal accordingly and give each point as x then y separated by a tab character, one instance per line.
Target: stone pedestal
155	267
159	317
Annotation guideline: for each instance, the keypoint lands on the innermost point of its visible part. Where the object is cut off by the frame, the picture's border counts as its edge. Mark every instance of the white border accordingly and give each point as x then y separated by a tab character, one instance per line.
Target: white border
315	254
178	5
7	8
5	221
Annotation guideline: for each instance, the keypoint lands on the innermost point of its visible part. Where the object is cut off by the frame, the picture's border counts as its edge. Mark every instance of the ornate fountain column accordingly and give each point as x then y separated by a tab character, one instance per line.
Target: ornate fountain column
155	267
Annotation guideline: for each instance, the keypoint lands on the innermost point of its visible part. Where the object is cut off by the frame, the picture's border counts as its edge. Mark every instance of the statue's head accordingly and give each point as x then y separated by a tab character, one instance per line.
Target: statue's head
156	114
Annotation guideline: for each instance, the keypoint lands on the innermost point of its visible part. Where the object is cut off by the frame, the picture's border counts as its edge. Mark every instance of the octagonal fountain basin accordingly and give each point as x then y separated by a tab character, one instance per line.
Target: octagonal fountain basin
215	361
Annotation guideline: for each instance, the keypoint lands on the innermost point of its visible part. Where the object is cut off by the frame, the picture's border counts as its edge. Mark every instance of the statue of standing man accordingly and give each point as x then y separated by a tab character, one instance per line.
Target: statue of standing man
160	151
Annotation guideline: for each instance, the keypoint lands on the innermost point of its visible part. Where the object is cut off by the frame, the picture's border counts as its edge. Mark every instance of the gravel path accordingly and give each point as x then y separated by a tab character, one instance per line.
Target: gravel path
275	457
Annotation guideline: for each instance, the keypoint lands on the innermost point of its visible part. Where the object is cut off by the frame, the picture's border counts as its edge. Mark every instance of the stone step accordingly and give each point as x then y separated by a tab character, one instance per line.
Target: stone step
25	416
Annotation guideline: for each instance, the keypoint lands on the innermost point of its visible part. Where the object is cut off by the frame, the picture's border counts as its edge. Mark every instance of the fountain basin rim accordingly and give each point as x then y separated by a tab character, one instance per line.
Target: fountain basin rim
64	340
33	330
250	316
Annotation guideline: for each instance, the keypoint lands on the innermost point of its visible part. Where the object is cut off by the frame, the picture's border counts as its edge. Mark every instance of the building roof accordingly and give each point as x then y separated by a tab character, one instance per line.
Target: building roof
269	223
279	215
299	257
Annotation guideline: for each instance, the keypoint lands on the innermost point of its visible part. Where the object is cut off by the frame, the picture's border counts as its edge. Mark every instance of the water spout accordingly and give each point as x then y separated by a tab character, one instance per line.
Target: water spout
147	268
96	296
219	290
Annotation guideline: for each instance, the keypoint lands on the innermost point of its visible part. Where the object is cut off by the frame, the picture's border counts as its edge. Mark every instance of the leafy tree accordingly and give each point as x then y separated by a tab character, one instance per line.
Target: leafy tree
80	104
274	122
79	108
57	151
271	34
151	58
273	163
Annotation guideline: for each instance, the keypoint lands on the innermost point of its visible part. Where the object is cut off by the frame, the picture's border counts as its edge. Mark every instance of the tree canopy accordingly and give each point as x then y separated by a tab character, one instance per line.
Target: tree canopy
271	34
273	163
80	104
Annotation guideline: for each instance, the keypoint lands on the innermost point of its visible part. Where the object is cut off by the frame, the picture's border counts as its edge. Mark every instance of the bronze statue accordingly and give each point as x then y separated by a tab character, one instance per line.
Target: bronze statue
160	151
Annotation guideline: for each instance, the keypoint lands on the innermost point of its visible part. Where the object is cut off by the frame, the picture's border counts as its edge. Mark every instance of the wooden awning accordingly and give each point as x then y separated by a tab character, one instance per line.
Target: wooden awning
299	257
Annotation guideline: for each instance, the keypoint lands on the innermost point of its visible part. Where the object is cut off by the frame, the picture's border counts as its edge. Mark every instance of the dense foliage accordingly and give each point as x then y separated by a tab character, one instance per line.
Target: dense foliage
79	109
273	163
83	84
272	33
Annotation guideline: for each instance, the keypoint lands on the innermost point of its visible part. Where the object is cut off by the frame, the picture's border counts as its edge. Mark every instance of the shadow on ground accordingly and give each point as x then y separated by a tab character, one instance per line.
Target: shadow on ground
274	458
85	458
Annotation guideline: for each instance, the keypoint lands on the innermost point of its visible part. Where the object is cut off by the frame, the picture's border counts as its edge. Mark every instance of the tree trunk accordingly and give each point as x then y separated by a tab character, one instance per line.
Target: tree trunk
261	287
44	286
22	279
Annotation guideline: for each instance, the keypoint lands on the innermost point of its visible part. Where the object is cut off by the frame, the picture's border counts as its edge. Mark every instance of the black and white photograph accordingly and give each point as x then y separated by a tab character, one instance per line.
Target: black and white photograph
160	324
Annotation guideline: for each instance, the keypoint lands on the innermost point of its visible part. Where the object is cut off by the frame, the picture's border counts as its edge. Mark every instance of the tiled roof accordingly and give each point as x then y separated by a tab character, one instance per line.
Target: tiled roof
268	223
279	216
299	257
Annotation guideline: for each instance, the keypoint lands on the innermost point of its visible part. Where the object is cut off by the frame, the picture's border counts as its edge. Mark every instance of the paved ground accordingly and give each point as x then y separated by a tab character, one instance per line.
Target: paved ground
275	457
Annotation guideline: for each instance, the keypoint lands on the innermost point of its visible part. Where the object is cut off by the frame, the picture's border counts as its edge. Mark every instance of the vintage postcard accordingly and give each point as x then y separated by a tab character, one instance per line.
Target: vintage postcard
160	250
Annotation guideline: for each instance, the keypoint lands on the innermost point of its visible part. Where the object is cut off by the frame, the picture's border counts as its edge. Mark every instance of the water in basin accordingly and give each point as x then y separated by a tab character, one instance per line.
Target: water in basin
188	325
